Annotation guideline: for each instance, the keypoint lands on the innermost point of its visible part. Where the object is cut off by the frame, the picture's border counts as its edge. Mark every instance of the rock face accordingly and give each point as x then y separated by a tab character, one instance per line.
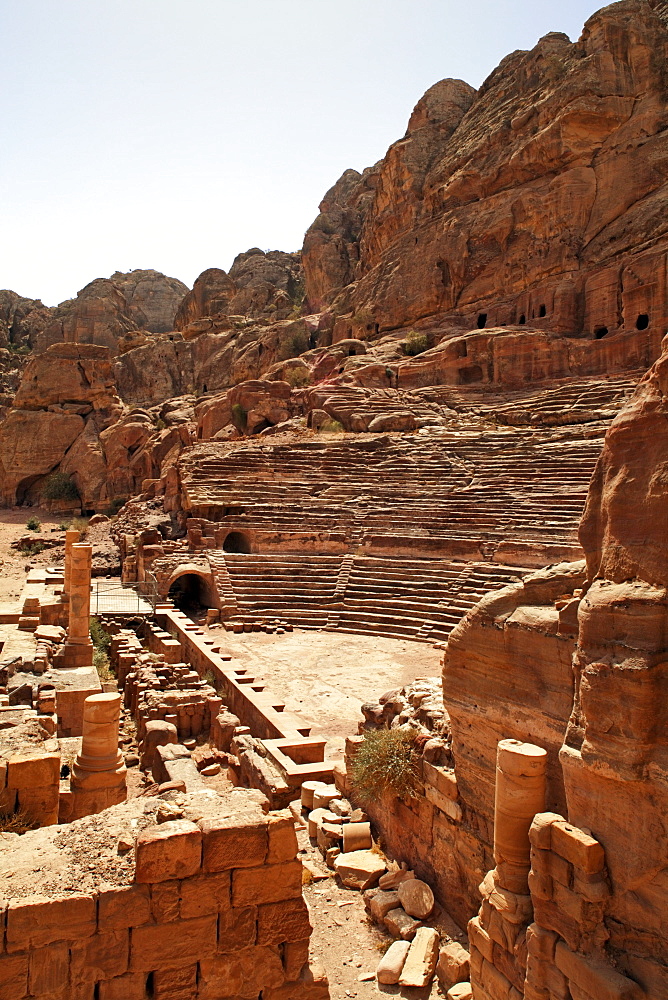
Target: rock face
65	400
528	202
21	319
108	309
576	662
259	285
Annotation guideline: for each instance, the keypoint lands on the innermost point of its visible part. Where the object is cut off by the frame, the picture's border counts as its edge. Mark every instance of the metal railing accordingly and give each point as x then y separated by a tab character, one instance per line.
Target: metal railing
114	597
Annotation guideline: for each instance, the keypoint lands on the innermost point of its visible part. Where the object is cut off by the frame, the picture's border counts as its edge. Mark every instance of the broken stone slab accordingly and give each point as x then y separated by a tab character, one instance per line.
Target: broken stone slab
453	965
400	925
359	869
416	898
461	991
391	964
392	880
420	964
50	633
382	903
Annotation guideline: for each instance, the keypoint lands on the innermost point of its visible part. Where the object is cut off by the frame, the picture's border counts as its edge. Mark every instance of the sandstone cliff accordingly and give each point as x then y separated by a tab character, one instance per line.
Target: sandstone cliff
540	199
111	311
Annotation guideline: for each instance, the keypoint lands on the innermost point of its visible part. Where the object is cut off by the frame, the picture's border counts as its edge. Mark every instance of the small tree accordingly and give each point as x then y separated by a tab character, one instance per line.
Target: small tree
59	486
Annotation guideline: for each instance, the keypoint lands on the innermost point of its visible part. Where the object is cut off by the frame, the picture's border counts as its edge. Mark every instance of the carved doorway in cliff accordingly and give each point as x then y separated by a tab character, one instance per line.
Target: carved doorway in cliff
237	541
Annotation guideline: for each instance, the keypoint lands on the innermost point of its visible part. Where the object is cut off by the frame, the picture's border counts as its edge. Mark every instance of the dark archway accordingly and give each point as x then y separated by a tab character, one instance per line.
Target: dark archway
600	332
482	321
642	322
189	592
236	541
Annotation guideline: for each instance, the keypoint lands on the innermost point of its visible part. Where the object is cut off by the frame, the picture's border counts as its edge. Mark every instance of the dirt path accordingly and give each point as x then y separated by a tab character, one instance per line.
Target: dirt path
326	676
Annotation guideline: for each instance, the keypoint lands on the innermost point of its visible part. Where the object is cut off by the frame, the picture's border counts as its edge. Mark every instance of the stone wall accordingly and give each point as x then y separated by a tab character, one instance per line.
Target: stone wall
204	905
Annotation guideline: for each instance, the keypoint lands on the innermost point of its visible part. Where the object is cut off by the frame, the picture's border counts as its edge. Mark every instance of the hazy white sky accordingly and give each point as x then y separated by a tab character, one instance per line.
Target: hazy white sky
174	134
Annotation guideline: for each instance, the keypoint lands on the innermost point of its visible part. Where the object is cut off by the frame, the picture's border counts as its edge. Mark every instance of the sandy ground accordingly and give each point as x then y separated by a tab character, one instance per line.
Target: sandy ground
326	676
12	563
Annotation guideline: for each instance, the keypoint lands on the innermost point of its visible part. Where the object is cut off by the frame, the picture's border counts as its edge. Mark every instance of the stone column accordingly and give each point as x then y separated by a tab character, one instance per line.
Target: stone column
71	536
520	794
78	650
98	773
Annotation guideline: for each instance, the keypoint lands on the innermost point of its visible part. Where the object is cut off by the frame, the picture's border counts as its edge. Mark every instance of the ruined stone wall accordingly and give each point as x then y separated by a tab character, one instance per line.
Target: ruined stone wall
181	908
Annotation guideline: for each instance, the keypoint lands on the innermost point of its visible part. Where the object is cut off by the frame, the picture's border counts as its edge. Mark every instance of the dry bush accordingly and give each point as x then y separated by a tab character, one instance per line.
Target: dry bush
387	761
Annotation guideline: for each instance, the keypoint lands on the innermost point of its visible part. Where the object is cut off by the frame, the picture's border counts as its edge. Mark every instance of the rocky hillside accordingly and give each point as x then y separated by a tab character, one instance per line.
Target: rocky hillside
516	234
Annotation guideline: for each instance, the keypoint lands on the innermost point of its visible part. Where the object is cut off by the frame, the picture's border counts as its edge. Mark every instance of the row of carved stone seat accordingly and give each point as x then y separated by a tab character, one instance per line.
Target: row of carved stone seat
294	588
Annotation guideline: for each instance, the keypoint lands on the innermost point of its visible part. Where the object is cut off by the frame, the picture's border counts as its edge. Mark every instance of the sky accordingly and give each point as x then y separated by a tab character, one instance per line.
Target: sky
174	134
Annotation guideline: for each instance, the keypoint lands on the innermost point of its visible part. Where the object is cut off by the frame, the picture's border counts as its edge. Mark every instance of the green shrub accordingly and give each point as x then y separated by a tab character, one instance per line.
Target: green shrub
415	343
239	417
59	486
102	665
116	504
331	427
79	524
297	378
293	346
33	524
99	635
32	548
387	761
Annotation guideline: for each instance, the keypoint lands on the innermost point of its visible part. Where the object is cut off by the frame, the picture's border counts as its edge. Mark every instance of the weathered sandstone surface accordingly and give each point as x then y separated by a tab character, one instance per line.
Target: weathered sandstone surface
574	660
538	200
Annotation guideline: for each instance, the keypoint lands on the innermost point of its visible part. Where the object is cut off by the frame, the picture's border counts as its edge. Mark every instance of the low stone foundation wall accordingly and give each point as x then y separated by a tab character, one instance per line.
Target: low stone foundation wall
204	905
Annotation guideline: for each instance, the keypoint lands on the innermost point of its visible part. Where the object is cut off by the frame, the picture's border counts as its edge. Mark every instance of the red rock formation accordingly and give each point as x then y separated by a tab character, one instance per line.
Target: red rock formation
539	200
515	663
107	309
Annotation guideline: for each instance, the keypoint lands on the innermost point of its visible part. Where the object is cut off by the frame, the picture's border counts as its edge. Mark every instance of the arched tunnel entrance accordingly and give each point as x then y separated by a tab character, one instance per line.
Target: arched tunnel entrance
190	593
237	541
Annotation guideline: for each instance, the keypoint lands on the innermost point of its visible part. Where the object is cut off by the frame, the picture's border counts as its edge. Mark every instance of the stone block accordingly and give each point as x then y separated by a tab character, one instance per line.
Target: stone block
599	980
268	884
175	984
282	837
392	963
246	972
382	902
549	863
541	942
237	928
480	939
494	982
540	831
453	965
13	976
120	908
233	842
295	956
420	964
131	986
33	771
553	918
359	869
41	803
169	946
204	894
545	975
311	985
105	955
446	804
165	901
48	969
400	925
170	850
288	920
34	922
577	847
540	885
460	991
